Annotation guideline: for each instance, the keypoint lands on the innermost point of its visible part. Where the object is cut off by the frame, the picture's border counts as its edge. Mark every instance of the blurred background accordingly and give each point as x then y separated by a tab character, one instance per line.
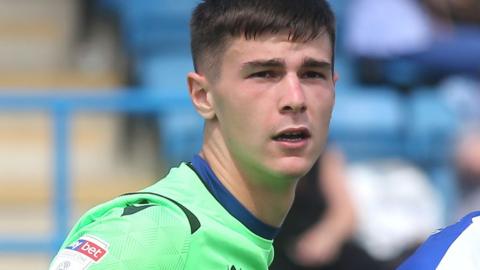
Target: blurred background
93	104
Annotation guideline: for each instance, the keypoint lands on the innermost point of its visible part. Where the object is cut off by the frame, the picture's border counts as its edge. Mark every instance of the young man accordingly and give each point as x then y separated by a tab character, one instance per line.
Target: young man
264	84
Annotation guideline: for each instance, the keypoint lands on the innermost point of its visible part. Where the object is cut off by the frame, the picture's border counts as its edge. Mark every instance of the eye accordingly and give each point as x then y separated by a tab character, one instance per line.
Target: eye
312	75
266	74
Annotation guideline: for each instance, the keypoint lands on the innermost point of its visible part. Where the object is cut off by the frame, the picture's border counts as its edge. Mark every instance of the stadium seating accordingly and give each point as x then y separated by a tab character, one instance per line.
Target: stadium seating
369	123
150	26
432	127
156	38
181	129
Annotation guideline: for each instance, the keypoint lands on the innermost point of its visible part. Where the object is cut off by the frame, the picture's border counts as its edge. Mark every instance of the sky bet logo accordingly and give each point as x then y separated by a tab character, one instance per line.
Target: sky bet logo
90	247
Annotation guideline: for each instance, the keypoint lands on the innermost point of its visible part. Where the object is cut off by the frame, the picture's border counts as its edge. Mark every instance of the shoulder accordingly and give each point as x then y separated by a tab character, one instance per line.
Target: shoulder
454	247
136	231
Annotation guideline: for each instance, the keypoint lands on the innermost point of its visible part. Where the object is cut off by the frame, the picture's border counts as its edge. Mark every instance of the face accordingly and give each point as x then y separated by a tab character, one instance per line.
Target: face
272	104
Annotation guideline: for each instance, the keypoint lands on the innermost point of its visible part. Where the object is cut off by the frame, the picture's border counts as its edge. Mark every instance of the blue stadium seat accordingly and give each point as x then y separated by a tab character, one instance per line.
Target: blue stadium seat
431	127
404	72
381	123
165	73
181	129
345	68
156	38
369	123
181	133
340	8
152	25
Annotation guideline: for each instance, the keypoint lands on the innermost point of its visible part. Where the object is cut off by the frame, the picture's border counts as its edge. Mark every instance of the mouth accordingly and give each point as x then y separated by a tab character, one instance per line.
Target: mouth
292	135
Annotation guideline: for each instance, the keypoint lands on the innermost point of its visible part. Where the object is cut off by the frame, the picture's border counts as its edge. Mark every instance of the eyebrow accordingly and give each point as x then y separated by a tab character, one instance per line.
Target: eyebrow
308	62
314	63
268	63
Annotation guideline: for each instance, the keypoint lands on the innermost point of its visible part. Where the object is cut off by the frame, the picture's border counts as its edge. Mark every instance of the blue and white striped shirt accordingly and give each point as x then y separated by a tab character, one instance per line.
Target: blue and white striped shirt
454	247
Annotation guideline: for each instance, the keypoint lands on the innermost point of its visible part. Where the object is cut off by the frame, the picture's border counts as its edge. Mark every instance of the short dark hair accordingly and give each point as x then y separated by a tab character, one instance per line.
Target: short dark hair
215	22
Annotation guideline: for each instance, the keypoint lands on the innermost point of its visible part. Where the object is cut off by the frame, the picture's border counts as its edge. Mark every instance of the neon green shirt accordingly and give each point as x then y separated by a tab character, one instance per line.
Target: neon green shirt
188	220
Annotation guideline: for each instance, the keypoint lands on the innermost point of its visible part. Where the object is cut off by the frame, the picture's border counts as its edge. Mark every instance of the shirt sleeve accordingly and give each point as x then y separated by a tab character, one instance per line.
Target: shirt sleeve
140	237
454	247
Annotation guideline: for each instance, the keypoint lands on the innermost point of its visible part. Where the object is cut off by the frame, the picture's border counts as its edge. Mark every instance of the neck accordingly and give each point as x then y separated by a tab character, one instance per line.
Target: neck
268	203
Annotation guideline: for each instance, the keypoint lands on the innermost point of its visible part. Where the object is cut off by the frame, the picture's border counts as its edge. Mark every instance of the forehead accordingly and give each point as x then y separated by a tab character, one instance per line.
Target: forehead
241	50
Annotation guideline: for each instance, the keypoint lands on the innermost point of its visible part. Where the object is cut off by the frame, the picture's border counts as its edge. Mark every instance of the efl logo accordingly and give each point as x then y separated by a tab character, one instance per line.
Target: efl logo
90	247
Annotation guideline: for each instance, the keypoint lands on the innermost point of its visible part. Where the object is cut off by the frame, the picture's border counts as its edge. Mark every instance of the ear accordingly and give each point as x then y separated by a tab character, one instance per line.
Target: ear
200	94
336	77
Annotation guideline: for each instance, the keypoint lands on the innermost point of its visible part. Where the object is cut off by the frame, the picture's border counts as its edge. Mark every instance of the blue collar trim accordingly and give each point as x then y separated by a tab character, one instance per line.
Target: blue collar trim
229	202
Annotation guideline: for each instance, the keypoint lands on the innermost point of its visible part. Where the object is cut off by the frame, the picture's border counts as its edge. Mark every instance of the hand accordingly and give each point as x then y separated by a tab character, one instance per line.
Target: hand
316	247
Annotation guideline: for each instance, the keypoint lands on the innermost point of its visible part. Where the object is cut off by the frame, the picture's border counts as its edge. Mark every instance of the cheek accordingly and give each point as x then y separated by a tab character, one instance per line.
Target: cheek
321	114
249	122
247	129
237	119
322	104
248	109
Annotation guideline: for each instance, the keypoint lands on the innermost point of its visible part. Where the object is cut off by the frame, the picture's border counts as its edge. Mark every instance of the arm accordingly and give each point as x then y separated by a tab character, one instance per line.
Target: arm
321	243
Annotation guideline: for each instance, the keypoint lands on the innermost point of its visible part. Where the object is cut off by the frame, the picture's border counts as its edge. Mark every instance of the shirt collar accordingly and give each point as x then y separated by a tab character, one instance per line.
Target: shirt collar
229	202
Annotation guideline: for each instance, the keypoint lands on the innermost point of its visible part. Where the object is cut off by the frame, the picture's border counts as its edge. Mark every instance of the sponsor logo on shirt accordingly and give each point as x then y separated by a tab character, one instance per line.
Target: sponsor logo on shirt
81	254
89	248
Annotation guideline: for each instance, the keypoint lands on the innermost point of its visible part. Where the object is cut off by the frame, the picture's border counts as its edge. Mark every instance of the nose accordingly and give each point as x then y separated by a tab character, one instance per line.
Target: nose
293	99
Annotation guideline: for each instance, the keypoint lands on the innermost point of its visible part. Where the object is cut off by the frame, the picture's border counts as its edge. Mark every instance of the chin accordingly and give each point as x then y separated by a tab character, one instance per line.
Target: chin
295	167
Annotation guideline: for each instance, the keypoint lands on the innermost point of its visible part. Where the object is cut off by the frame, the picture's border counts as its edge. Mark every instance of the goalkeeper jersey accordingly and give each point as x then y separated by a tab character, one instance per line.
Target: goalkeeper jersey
188	220
454	247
